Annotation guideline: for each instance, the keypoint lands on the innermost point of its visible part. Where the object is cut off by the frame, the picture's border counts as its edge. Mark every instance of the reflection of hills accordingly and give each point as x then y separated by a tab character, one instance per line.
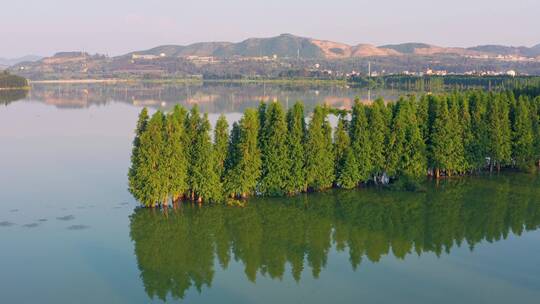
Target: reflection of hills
211	97
177	250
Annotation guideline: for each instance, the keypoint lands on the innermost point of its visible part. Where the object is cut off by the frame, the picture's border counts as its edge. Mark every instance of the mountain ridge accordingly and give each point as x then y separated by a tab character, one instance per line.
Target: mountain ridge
292	46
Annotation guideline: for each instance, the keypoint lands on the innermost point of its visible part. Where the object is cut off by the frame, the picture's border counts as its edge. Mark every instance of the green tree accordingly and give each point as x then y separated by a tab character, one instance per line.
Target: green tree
245	160
320	159
479	147
192	128
205	181
523	140
174	155
361	141
498	131
378	131
346	167
135	186
296	126
276	164
149	175
407	155
221	142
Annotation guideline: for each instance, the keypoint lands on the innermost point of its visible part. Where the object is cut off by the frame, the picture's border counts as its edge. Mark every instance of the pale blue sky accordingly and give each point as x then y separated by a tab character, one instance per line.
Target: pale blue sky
117	26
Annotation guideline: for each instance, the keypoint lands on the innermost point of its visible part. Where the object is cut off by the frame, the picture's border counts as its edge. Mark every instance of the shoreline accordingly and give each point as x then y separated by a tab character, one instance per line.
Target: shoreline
300	81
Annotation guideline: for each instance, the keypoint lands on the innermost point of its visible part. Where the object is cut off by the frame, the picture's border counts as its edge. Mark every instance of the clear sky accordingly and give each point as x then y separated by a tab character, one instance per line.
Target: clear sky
114	27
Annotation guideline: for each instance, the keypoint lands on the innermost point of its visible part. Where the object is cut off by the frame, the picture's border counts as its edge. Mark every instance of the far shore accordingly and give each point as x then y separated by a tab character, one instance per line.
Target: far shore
77	81
190	80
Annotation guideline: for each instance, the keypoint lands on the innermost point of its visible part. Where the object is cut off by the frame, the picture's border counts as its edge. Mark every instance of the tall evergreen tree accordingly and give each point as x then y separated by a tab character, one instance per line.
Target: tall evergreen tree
361	141
523	140
193	123
535	121
276	164
205	181
319	161
467	133
456	135
378	131
176	163
440	138
406	146
296	126
479	148
498	131
346	166
134	183
221	142
149	175
245	161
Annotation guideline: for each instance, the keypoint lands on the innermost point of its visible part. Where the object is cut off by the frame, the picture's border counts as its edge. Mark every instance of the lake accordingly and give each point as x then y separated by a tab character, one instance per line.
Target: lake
70	231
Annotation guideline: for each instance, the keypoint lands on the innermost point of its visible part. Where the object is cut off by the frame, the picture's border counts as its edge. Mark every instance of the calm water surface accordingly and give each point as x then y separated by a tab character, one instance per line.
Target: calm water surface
70	232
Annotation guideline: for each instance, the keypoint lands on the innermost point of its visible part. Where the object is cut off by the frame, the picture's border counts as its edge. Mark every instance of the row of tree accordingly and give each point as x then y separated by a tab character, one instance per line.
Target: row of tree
273	152
8	81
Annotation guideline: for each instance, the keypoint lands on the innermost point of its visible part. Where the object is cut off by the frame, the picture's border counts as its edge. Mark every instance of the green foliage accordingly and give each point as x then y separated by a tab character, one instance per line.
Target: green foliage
221	144
447	134
361	141
346	166
523	137
205	181
135	185
378	131
296	126
407	155
151	182
320	159
276	164
9	81
244	163
174	155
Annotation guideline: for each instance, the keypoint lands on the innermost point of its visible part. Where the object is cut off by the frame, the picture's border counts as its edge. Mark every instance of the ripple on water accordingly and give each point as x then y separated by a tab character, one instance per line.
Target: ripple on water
42	220
32	225
14	210
78	227
66	218
6	224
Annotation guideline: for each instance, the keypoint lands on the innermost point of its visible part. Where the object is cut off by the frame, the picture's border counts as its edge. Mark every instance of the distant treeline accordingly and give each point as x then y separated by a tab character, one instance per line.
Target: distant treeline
273	152
12	81
449	82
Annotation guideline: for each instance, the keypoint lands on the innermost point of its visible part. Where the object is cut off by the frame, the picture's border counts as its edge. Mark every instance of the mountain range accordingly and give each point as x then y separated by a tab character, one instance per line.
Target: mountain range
285	55
291	46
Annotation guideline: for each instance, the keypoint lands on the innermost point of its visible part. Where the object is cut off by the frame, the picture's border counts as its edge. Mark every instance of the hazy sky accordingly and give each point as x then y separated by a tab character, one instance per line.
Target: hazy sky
113	27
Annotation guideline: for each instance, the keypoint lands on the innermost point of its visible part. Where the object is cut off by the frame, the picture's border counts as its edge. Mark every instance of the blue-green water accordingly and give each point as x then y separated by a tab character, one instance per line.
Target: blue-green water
70	232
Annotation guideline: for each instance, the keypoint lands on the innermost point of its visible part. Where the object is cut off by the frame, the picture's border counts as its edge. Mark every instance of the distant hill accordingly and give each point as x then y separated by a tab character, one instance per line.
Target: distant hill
13	61
285	55
406	48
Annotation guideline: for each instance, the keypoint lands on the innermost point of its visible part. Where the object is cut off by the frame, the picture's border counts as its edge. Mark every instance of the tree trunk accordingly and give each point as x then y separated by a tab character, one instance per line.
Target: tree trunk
437	173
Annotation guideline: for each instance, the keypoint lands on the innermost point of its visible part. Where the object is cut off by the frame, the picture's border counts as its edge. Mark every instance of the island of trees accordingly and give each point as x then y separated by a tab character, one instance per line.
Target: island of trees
10	81
274	152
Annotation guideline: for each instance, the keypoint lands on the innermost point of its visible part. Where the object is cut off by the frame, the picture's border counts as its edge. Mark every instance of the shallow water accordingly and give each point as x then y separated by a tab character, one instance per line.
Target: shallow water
70	231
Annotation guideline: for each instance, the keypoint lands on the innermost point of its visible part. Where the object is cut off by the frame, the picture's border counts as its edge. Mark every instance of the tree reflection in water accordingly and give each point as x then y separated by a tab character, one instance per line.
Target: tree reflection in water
176	249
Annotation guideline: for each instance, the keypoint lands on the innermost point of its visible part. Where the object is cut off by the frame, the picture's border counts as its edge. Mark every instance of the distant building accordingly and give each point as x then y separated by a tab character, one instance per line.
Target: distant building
145	57
511	73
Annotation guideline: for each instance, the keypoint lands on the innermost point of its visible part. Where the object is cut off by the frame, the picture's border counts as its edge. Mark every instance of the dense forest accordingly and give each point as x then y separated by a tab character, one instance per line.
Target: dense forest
8	81
182	249
272	151
445	83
